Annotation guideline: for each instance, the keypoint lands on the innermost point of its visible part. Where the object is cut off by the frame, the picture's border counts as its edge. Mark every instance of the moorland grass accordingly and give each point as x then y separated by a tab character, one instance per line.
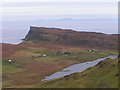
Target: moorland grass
103	75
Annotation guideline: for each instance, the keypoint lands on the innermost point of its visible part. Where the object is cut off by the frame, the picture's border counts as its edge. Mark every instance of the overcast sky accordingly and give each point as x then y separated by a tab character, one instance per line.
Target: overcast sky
20	10
6	1
46	8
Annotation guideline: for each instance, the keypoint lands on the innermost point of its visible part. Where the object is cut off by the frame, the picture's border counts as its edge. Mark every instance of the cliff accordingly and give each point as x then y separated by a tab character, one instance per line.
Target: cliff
42	35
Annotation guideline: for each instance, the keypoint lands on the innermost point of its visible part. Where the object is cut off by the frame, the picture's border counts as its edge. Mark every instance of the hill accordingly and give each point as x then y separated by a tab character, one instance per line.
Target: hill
68	37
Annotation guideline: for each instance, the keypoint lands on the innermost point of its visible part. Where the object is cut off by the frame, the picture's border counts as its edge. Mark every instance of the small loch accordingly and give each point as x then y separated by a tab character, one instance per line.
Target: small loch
77	68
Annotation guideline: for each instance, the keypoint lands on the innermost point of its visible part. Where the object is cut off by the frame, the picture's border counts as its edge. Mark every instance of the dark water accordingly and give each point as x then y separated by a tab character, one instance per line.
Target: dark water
13	32
77	68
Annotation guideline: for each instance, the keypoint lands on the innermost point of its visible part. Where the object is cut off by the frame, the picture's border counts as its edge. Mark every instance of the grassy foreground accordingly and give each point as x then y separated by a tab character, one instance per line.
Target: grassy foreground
29	68
103	75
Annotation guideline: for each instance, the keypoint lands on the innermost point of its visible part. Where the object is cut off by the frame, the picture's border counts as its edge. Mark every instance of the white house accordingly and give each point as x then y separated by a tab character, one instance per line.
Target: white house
44	55
10	61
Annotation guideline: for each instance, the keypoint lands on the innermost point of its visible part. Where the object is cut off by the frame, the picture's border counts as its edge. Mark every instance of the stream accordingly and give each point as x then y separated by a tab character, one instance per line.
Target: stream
77	68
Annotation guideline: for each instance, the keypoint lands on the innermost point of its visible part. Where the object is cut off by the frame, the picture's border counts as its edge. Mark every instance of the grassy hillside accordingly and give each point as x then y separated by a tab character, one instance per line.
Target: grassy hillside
29	68
103	75
42	35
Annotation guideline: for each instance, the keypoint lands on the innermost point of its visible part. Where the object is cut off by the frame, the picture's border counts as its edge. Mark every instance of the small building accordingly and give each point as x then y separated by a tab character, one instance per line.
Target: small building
91	50
44	55
66	52
61	53
10	61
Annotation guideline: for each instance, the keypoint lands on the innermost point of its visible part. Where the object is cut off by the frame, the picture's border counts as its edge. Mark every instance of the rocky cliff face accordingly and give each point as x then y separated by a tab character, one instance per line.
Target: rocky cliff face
42	35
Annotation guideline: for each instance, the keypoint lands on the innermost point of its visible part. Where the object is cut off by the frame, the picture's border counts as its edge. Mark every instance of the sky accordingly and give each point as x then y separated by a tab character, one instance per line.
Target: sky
58	8
14	11
6	1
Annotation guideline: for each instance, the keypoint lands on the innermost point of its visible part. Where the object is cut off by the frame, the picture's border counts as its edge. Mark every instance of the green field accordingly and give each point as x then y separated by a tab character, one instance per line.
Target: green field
29	68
